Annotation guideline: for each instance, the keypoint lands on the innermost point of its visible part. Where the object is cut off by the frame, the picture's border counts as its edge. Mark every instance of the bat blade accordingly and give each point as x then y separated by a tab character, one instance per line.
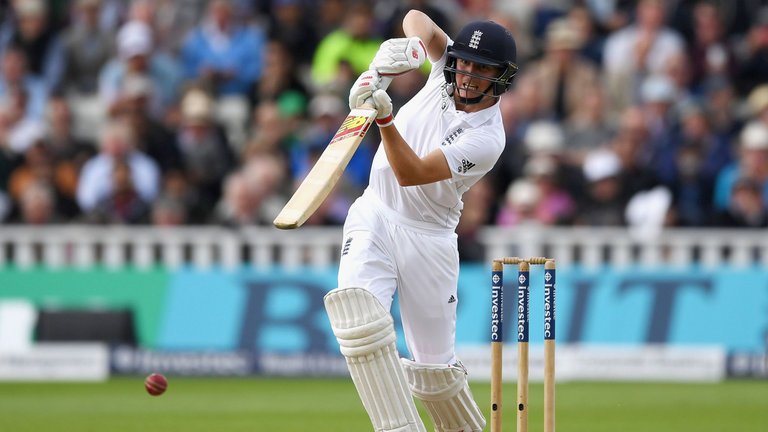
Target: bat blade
321	179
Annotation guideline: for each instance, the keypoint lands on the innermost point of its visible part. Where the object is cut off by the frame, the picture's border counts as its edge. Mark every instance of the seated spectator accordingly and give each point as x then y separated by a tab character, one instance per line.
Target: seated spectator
751	55
658	97
96	179
250	194
546	140
206	155
87	48
34	34
152	137
758	103
690	167
177	188
564	78
168	211
752	163
38	168
719	96
551	206
14	77
222	53
37	205
279	77
592	41
20	130
136	57
68	152
604	204
123	205
588	127
639	50
520	203
746	206
711	52
293	26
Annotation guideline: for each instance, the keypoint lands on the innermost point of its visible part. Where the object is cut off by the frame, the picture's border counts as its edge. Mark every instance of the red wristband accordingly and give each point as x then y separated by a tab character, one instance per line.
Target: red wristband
386	121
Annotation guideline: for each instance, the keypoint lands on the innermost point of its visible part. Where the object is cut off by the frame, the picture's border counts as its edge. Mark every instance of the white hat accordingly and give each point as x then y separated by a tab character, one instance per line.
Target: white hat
326	104
135	86
562	35
196	107
523	192
30	8
754	136
544	136
600	165
657	88
540	166
758	99
134	38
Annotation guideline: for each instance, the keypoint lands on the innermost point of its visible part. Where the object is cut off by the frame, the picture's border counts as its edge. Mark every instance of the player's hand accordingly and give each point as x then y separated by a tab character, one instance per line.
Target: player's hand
363	88
398	56
383	104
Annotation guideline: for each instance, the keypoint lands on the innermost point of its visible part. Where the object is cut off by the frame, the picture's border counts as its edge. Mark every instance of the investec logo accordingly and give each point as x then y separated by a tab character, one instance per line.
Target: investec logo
522	310
549	307
496	307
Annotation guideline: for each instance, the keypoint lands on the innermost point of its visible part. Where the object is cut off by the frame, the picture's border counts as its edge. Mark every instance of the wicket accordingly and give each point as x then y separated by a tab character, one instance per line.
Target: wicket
497	340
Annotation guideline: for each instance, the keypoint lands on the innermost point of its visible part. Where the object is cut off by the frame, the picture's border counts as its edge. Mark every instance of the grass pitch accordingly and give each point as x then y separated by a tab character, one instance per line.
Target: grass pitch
292	405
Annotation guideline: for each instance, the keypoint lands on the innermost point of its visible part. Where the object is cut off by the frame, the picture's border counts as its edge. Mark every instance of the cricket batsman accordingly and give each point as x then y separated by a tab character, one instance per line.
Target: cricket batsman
400	234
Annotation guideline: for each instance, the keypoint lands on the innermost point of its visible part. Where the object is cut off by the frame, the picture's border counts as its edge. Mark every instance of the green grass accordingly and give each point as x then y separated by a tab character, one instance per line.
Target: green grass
292	405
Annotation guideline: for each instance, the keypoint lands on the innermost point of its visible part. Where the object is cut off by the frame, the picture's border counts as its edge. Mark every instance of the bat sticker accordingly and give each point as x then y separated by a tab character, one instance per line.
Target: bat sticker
353	125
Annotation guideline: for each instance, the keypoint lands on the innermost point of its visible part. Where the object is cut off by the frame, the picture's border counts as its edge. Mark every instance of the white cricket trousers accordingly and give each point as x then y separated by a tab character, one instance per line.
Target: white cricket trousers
383	252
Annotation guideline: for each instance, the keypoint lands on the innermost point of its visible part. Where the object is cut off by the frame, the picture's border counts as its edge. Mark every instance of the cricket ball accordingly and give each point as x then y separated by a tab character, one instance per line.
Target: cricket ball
155	384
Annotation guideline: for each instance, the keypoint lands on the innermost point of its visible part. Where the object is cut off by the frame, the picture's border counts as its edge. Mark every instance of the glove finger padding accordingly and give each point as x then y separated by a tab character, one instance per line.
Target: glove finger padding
398	56
383	104
363	88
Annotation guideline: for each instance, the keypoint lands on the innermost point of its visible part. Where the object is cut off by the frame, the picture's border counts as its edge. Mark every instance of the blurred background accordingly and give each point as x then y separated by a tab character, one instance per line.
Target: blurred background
146	146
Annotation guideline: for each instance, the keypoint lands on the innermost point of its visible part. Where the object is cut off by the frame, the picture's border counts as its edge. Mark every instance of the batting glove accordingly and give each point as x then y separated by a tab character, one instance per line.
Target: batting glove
383	104
398	56
363	88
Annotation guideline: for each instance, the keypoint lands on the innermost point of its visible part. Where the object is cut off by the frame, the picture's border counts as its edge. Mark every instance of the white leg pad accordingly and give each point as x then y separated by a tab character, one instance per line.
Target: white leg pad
366	334
444	391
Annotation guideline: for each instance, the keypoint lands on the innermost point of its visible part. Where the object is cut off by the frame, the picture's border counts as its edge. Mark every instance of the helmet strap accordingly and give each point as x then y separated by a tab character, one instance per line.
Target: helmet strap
454	89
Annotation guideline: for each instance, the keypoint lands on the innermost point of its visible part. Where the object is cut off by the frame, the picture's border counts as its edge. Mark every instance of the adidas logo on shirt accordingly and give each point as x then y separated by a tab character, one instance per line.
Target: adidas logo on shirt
465	166
452	299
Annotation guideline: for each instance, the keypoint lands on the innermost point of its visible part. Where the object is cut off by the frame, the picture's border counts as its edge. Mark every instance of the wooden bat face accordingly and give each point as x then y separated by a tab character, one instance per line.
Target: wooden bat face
326	172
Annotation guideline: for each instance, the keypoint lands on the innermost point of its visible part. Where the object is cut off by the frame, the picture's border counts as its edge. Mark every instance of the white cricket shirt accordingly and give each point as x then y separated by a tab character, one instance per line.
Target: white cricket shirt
471	143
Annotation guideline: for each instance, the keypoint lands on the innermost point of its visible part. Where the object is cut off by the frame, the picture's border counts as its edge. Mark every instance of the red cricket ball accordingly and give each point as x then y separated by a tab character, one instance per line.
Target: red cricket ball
155	384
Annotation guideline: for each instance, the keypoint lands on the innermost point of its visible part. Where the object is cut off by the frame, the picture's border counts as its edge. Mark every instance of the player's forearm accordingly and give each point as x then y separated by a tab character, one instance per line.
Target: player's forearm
408	167
417	23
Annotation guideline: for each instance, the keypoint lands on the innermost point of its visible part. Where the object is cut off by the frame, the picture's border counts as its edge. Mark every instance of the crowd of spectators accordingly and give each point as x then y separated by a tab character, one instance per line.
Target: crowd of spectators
638	113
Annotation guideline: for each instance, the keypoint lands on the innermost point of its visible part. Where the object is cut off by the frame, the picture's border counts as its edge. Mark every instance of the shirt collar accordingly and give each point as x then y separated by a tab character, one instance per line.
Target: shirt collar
475	119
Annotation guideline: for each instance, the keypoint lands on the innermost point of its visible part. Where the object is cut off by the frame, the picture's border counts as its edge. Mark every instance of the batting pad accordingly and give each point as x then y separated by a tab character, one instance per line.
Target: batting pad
444	391
366	335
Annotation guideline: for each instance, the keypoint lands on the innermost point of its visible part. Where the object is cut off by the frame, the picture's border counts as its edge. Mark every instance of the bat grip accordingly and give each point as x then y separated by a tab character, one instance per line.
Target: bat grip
383	85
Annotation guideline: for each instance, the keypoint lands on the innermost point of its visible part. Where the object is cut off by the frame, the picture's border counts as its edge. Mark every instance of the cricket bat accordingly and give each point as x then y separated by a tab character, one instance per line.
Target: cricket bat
329	167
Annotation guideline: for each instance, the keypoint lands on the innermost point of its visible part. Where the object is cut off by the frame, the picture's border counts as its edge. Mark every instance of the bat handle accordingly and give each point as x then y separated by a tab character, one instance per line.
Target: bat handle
385	81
